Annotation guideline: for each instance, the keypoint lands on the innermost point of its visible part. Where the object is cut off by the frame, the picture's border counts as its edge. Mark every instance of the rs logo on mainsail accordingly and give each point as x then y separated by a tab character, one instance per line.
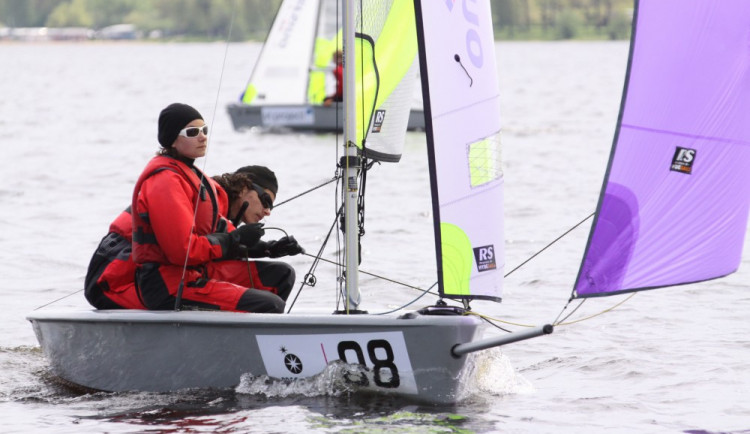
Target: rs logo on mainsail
485	257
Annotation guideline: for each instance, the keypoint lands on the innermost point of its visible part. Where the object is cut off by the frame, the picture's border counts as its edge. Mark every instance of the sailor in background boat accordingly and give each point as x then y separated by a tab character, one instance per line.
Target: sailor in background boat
214	277
338	73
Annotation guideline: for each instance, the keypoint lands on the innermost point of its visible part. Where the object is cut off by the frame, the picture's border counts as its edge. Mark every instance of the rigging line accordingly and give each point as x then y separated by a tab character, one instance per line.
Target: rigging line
491	323
178	297
273	228
55	301
335	178
340	137
558	320
596	314
317	257
426	291
409	303
550	244
491	319
181	286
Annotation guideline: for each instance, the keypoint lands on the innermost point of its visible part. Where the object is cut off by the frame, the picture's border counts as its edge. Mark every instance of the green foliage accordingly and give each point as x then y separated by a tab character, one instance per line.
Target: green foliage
26	13
562	19
73	14
251	19
568	24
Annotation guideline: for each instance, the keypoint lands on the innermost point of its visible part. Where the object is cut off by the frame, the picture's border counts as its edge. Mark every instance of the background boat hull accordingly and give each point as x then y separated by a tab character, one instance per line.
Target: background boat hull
313	118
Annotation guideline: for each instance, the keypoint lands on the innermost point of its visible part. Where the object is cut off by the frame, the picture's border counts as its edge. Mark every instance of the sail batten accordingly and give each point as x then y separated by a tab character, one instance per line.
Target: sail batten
717	139
674	205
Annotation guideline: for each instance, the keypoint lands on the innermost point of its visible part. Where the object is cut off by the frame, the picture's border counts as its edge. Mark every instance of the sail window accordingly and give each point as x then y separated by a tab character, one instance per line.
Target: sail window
484	159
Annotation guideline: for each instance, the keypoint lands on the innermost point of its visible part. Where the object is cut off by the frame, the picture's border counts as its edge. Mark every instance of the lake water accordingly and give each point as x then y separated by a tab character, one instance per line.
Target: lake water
78	124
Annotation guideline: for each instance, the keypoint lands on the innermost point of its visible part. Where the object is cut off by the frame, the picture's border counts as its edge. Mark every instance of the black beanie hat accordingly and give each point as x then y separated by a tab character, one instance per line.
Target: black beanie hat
262	176
174	118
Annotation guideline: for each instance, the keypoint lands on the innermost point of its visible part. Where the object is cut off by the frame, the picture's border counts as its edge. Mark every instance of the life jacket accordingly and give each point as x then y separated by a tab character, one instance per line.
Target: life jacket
110	279
162	198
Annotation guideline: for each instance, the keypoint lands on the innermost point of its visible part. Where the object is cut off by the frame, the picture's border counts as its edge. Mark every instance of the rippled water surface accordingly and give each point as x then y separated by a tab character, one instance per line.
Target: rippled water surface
78	124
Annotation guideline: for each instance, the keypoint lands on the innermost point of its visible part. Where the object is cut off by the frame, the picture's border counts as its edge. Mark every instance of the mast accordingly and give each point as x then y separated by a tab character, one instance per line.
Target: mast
350	163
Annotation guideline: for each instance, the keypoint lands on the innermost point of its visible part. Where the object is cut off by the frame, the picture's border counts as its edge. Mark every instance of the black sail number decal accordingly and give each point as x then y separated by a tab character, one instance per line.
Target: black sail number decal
385	371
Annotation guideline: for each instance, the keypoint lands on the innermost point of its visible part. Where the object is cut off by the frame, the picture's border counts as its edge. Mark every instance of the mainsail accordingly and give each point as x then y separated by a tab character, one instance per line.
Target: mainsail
279	75
461	99
674	204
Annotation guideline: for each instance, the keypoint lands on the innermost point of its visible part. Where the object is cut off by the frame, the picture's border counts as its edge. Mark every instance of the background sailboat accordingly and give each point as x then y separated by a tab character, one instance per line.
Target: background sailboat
292	75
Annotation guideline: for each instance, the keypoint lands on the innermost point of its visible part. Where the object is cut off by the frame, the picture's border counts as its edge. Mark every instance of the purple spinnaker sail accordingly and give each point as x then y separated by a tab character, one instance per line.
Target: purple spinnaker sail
674	204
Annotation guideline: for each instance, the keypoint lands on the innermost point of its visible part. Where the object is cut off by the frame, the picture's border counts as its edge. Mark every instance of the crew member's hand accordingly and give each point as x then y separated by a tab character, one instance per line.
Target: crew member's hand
248	234
286	246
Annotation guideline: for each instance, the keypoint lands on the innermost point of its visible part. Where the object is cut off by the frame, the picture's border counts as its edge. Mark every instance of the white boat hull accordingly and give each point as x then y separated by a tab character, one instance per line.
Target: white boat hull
311	118
121	350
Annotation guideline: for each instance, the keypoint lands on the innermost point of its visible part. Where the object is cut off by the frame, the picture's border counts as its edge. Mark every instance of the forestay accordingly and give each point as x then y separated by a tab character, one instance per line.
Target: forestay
674	203
461	101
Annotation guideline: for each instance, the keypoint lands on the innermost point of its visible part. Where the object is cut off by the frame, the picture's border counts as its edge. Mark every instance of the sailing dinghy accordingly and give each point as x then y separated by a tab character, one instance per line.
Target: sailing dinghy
673	210
420	354
288	83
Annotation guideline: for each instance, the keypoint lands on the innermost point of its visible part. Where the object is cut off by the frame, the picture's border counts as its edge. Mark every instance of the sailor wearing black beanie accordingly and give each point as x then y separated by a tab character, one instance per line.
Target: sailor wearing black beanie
173	119
179	246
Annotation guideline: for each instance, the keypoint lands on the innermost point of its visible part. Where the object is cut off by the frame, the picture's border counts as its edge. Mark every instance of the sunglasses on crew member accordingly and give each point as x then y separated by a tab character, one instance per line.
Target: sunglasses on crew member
265	198
194	131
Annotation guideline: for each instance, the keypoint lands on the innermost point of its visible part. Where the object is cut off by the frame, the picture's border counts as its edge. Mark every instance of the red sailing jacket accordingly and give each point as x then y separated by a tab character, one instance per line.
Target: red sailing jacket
163	206
338	72
110	280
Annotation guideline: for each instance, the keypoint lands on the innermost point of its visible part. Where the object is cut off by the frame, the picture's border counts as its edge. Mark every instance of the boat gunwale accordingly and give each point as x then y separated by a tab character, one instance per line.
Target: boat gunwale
240	319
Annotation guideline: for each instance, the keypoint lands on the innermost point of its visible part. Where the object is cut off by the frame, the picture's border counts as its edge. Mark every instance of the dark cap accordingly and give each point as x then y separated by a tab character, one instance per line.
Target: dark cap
262	176
174	118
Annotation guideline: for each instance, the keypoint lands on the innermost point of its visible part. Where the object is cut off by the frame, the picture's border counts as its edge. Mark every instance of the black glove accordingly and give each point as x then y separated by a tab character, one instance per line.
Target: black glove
286	246
248	235
259	250
230	248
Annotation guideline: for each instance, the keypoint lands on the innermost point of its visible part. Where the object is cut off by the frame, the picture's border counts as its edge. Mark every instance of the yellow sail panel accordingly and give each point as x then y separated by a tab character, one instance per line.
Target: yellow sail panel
250	93
322	55
386	69
457	259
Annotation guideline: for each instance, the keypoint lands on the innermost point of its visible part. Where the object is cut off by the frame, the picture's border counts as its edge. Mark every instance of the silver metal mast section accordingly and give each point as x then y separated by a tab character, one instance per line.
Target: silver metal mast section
351	171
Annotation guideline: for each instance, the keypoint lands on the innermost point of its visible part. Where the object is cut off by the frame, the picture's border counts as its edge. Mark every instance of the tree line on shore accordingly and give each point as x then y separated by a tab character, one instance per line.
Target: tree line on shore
251	19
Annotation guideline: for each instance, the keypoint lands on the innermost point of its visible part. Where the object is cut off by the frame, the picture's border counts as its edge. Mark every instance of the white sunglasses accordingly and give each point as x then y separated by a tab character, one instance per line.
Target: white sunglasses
194	131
